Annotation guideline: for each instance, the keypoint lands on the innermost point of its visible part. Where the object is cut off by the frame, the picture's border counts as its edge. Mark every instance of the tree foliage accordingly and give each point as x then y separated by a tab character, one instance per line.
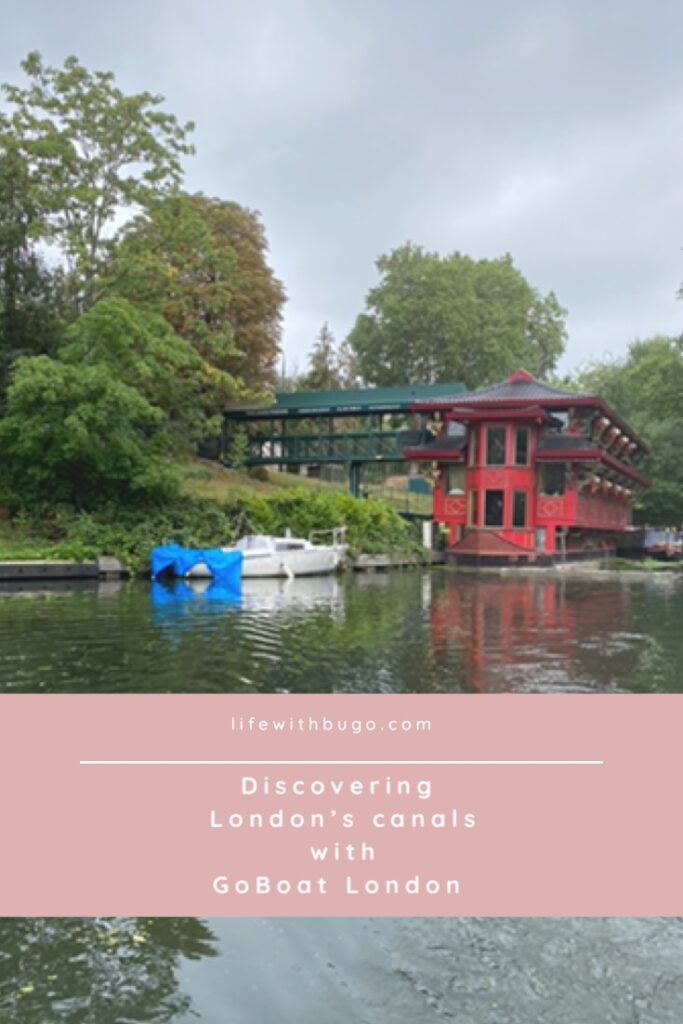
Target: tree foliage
201	263
139	349
152	327
29	295
323	373
331	366
166	262
646	388
257	297
92	152
78	435
434	319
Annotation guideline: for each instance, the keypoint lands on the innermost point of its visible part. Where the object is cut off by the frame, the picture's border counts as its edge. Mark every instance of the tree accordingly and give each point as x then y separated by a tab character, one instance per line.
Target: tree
201	264
167	263
238	451
323	374
257	296
347	366
139	349
93	154
76	434
646	388
434	319
29	294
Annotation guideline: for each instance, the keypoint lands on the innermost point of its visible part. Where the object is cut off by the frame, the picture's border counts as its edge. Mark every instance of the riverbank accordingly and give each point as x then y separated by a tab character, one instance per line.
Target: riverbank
199	520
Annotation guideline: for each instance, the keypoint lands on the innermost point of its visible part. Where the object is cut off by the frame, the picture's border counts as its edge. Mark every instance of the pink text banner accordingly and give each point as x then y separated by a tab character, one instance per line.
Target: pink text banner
341	805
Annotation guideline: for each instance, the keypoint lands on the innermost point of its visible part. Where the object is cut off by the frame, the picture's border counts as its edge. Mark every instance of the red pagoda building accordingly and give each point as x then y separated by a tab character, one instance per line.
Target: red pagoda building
528	473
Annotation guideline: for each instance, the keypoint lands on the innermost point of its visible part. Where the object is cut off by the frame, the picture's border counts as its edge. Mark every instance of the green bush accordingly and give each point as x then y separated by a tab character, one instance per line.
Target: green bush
130	533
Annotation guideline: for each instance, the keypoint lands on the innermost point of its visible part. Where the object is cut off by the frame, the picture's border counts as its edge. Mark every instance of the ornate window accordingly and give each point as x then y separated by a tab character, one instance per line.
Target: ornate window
454	479
519	509
522	446
493	508
553	479
495	446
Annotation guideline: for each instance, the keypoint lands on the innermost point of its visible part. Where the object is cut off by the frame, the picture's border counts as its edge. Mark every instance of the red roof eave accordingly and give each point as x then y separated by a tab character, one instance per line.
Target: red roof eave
456	409
437	455
478	415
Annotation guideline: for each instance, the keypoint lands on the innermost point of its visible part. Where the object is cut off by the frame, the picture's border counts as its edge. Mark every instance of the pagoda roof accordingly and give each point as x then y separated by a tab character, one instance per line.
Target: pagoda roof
519	390
519	387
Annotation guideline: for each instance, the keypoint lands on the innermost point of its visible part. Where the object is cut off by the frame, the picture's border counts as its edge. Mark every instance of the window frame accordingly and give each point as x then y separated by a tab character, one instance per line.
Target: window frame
527	453
501	524
498	430
525	498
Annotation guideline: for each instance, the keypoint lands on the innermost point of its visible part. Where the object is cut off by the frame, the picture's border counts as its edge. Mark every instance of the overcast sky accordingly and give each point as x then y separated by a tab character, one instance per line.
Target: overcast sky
550	130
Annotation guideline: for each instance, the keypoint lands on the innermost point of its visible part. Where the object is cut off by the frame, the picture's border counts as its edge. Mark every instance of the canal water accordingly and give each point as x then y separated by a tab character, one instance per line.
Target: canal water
399	633
409	632
350	971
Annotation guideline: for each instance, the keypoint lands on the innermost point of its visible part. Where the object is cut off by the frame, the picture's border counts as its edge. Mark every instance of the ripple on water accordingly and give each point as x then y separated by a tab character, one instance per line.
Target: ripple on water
459	633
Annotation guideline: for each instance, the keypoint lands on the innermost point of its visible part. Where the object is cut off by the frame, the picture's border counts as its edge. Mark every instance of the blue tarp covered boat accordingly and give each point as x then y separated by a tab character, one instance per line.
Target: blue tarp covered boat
224	566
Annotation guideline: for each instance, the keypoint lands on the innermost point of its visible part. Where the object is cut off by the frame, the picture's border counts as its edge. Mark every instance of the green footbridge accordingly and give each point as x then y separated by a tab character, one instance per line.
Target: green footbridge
316	428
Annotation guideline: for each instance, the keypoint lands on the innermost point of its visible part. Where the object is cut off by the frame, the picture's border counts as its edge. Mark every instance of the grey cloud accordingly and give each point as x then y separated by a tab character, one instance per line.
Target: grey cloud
548	129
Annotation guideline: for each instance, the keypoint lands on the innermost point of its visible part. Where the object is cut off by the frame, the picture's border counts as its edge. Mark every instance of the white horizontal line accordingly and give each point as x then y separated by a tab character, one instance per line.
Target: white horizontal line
140	762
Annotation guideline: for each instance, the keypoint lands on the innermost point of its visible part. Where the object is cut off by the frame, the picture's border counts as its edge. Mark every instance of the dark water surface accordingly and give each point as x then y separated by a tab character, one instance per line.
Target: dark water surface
327	971
406	632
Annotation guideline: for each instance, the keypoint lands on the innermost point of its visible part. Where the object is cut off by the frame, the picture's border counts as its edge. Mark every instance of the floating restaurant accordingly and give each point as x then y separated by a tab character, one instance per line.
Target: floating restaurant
527	473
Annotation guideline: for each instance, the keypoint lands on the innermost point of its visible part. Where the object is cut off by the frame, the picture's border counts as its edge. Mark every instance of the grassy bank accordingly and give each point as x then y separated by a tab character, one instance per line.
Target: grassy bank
214	509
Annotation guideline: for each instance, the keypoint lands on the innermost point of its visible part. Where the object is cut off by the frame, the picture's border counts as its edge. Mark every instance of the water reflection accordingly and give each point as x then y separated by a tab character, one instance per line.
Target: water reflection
341	971
97	971
407	632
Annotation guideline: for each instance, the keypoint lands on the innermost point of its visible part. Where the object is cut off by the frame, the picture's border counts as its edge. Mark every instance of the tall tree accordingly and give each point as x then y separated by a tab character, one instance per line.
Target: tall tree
93	154
167	262
138	348
347	365
434	318
201	263
323	374
29	294
257	296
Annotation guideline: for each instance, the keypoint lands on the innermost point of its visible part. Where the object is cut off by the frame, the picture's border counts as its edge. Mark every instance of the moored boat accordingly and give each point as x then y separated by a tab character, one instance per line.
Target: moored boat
270	557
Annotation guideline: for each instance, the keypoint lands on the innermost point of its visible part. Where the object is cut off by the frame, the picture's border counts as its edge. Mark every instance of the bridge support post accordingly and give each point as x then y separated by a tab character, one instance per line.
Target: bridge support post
354	478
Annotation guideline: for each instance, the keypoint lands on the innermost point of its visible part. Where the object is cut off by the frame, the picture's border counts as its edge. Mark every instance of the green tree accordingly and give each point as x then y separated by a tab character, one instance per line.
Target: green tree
239	449
29	294
93	154
646	388
201	263
434	318
323	373
166	262
76	434
347	366
139	349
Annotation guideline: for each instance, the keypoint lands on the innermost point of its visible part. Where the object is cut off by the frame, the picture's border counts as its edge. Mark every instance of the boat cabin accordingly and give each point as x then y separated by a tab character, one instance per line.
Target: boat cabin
524	472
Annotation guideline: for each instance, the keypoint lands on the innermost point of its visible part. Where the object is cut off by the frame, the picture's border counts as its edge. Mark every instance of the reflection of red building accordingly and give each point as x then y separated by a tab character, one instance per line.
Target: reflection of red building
529	632
526	472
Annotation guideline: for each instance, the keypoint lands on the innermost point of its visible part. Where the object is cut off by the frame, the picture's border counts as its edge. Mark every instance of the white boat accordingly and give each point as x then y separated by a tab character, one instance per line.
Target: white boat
265	556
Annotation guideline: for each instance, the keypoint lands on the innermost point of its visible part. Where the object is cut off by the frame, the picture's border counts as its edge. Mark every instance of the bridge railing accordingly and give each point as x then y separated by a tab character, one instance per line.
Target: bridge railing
357	446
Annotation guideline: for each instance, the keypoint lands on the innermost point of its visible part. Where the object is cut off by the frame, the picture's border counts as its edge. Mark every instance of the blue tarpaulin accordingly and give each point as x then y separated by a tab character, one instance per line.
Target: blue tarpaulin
224	566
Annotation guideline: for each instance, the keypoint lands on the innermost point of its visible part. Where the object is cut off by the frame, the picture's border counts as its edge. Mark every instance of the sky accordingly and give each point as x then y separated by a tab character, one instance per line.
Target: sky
549	129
